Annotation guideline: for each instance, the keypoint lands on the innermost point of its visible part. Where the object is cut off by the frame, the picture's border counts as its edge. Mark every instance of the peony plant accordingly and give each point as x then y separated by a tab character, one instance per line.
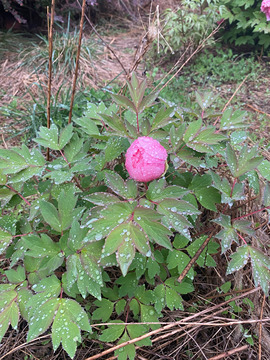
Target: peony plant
84	242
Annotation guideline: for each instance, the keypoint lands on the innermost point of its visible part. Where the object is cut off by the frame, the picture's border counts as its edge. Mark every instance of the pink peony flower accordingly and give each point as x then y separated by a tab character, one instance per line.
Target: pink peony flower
146	159
265	7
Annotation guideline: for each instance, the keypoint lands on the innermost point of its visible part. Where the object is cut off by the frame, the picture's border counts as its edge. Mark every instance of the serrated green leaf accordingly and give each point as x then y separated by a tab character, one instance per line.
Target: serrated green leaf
9	310
192	130
162	118
117	184
104	310
238	259
114	148
173	300
123	101
65	136
16	276
66	204
120	306
42	318
208	197
231	160
50	215
232	120
48	137
68	322
264	169
149	314
5	239
113	332
126	352
137	330
155	231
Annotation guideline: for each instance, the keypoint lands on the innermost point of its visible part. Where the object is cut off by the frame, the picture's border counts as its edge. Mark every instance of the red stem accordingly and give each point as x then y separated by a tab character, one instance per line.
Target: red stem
32	232
241	237
252	213
20	195
138	127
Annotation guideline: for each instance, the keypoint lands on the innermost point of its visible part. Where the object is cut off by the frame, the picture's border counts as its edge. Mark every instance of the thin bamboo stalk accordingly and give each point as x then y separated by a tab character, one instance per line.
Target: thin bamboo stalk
77	62
50	38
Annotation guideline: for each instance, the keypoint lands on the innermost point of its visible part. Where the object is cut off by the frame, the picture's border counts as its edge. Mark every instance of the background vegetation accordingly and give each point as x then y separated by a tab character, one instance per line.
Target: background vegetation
190	280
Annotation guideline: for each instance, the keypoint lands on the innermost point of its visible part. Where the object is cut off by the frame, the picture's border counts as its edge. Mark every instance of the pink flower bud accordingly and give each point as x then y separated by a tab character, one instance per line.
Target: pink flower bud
265	7
146	159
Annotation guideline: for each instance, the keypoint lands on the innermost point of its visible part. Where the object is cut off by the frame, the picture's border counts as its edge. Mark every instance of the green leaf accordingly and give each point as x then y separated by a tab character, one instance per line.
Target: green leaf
16	276
232	120
9	309
228	234
137	330
260	268
102	198
66	204
50	215
173	299
206	99
180	260
124	101
69	320
120	306
163	117
113	332
231	160
115	123
157	191
188	156
126	352
204	259
12	162
264	169
238	259
104	310
208	197
88	126
147	101
155	231
41	246
114	148
176	136
149	314
117	184
65	136
42	318
180	207
192	130
5	239
48	137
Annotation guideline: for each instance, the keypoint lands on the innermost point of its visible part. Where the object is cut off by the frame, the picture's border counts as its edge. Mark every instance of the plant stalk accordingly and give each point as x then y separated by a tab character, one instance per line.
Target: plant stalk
50	38
77	62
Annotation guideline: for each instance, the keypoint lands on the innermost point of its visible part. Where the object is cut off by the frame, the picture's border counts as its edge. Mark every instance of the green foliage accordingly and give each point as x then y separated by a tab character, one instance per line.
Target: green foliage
190	24
216	66
77	232
247	24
